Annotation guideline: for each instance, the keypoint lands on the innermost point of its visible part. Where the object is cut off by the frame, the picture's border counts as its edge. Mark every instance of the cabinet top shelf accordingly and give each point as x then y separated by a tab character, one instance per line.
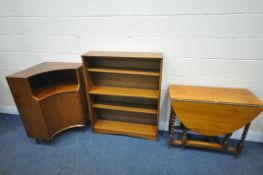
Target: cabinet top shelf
45	92
125	92
110	54
45	67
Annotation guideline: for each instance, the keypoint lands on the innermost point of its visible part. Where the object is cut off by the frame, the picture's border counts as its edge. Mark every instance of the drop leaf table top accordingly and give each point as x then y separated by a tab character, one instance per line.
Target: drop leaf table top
214	111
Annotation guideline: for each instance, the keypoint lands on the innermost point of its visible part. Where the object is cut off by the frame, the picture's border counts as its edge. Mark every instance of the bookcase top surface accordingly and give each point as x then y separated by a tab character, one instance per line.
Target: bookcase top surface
44	67
110	54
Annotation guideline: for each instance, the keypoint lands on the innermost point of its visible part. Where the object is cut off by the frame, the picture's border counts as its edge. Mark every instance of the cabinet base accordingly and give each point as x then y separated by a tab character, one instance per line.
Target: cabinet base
123	128
69	127
38	140
100	131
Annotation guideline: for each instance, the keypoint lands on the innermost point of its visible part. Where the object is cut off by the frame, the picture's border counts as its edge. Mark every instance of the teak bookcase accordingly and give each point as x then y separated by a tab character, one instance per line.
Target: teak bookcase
123	91
49	98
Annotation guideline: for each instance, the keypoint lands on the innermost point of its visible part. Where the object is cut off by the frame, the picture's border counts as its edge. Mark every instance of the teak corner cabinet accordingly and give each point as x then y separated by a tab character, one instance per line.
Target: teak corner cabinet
123	92
49	98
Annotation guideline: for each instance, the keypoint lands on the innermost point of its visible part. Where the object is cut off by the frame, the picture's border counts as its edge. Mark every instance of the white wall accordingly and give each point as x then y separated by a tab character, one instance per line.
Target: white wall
205	42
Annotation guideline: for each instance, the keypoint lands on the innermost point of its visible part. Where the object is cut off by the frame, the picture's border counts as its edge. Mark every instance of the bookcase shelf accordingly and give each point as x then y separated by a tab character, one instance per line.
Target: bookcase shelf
123	71
132	129
123	90
122	107
126	92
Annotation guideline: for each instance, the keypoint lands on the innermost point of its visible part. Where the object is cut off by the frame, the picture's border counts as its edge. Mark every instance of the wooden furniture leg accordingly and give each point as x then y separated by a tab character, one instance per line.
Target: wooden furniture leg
224	146
226	140
240	145
171	128
184	137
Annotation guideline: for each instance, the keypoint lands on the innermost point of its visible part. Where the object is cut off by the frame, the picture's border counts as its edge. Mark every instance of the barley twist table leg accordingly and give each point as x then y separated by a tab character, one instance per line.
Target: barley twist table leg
226	141
171	128
184	137
240	145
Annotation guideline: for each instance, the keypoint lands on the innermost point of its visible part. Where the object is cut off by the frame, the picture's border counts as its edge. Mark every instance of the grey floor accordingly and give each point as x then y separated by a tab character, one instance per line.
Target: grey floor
79	151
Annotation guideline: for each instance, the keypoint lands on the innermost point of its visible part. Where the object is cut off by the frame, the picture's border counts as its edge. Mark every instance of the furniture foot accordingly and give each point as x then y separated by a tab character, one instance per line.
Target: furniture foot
171	142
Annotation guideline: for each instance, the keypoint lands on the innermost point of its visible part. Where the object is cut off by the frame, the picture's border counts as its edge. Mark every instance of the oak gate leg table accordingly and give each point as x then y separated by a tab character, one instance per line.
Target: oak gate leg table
212	112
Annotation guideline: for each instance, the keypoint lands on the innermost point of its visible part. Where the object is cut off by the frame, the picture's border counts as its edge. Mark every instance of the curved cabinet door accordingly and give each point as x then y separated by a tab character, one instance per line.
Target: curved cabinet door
62	111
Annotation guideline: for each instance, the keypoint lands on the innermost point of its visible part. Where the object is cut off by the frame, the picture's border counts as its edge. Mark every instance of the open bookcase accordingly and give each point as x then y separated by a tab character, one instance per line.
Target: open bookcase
123	90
